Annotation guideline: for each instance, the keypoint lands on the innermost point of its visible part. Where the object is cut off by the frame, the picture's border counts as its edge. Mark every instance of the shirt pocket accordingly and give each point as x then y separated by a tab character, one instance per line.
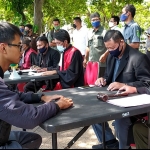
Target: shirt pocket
98	41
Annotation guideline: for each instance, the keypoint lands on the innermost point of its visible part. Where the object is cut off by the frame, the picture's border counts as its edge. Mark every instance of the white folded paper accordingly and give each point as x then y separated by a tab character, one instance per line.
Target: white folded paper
136	100
34	74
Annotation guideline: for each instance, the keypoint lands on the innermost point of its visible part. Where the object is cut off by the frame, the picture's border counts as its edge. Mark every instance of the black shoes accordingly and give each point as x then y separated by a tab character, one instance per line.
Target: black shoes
109	146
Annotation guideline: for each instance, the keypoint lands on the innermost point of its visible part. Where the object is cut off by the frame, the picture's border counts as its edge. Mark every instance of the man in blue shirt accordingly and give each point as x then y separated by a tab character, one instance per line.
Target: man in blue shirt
132	30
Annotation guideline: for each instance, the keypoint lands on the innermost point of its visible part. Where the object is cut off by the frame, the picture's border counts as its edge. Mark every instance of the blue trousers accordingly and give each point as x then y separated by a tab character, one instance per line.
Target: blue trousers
121	128
98	131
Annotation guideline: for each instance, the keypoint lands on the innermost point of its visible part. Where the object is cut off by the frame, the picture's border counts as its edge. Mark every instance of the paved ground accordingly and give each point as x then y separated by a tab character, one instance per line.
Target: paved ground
85	142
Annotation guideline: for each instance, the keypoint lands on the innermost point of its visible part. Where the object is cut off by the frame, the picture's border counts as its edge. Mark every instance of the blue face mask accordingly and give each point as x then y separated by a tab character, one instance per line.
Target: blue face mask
42	50
123	17
61	48
22	30
96	24
116	52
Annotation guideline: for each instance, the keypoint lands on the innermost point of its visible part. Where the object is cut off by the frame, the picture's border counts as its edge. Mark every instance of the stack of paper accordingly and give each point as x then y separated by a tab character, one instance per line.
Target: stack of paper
34	74
131	101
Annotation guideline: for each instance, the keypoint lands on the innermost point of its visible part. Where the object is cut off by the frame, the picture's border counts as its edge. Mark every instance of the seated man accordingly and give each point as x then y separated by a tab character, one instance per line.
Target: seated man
71	69
140	130
29	55
14	106
47	59
124	66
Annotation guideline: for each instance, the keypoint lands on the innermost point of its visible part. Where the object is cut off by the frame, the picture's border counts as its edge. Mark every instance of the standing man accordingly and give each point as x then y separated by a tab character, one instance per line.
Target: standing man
80	36
50	35
132	30
96	50
16	108
28	32
114	22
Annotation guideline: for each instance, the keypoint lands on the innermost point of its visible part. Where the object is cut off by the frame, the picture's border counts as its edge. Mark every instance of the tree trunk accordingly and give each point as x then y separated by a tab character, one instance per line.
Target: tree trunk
38	15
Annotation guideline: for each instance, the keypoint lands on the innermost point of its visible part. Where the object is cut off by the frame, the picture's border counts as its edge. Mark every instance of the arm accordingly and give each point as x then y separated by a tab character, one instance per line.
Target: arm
86	58
69	76
135	45
56	59
33	58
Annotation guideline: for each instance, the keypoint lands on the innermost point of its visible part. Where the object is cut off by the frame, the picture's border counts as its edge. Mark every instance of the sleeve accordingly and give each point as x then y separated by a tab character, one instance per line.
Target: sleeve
33	58
22	115
55	59
69	76
142	72
136	33
49	37
37	63
143	90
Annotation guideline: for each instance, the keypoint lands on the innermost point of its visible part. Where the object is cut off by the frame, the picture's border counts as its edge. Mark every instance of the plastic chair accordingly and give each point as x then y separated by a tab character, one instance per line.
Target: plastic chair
91	73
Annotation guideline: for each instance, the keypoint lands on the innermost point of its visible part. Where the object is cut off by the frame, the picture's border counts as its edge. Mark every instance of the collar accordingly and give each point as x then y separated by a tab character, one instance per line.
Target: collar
68	47
1	73
114	27
130	23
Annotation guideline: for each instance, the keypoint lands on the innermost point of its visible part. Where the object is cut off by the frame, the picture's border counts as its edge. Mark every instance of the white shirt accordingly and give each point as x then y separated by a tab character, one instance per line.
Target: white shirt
80	39
116	28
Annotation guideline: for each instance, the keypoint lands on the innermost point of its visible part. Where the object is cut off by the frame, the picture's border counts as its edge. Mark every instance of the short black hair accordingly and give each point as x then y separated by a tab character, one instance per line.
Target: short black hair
113	34
30	26
42	38
116	19
56	19
131	9
78	19
62	35
8	32
26	40
96	14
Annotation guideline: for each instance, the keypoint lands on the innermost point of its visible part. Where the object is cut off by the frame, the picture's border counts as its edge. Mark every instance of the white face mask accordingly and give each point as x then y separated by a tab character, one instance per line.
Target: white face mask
111	24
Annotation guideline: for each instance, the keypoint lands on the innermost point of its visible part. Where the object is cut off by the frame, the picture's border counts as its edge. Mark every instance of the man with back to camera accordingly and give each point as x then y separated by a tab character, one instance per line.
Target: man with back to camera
16	108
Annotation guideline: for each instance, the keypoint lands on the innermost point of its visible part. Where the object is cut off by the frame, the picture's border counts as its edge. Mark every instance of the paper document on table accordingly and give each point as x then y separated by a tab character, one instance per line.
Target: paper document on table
34	74
131	101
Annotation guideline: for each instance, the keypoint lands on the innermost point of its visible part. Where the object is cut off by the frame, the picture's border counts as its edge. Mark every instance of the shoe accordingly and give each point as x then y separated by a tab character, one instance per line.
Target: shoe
110	146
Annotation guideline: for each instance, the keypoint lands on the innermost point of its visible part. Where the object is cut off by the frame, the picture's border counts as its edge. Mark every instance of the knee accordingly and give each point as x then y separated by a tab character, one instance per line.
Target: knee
137	128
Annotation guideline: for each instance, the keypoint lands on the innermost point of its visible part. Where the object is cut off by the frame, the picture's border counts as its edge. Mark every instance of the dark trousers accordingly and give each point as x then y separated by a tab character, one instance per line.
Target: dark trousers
140	133
23	140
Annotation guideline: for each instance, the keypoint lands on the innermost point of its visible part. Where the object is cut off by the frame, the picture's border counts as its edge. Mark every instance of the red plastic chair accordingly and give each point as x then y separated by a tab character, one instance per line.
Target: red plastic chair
20	86
91	73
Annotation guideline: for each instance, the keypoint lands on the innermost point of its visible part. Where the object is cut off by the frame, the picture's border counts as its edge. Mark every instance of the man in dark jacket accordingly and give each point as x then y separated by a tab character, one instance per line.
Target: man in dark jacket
47	59
14	106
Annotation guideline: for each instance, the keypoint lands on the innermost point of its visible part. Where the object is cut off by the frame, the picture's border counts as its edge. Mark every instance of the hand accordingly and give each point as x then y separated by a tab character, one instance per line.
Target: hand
47	98
49	73
64	103
84	63
41	70
102	58
100	82
115	86
128	89
34	67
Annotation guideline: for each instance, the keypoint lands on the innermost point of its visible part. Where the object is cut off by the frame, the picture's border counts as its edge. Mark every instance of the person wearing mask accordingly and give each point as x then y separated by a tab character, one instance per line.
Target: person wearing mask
50	34
114	22
28	32
122	68
16	108
80	35
47	59
96	50
29	55
21	27
131	30
71	72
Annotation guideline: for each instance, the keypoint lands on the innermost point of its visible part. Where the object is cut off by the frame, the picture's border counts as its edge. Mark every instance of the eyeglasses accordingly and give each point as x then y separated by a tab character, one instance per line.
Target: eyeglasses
18	45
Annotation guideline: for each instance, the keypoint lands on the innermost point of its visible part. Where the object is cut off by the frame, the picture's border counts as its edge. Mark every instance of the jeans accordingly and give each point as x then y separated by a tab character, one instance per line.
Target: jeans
108	132
122	127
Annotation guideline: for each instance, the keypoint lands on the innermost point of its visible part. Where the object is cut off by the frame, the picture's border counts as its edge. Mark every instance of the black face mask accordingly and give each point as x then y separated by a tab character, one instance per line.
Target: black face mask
74	26
26	32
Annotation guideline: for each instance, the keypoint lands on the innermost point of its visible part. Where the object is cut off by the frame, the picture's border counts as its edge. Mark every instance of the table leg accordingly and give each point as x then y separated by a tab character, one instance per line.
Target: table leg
103	135
54	140
80	133
148	130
